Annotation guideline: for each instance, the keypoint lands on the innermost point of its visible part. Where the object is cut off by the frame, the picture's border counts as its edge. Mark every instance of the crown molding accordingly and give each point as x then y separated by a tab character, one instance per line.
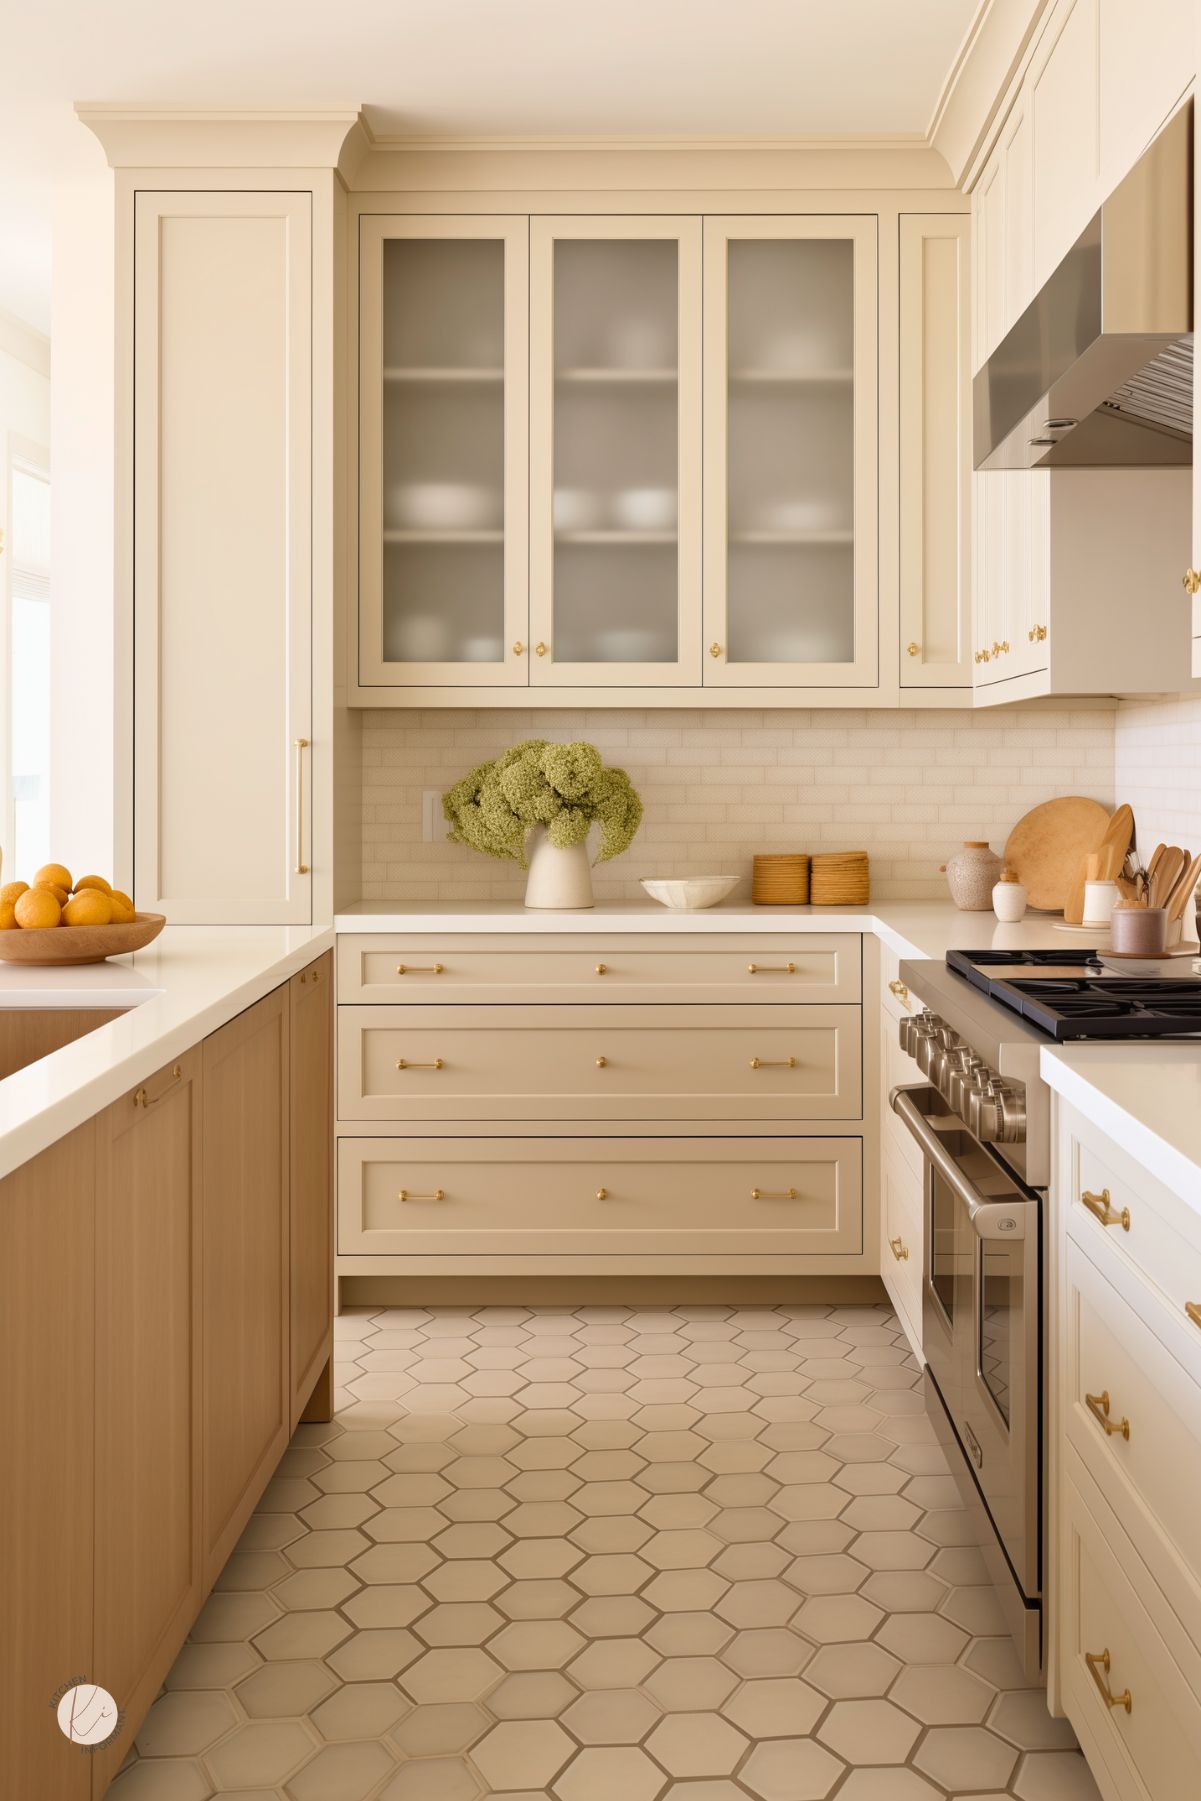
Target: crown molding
186	137
973	95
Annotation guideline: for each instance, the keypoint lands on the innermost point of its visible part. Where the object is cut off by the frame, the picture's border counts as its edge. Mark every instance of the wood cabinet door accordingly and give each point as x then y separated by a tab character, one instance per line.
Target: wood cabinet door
244	1268
222	557
311	1140
936	452
147	1562
47	1218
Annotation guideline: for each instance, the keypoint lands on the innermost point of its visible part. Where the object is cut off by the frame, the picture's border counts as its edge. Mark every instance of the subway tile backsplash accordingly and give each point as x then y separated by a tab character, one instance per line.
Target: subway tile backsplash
907	787
1157	769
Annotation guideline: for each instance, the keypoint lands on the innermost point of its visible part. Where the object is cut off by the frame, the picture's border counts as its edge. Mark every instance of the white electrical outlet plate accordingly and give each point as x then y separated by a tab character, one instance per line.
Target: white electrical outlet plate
435	828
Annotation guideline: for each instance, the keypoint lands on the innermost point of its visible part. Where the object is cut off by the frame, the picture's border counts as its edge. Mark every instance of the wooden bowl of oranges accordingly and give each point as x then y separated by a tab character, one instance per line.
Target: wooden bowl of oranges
54	919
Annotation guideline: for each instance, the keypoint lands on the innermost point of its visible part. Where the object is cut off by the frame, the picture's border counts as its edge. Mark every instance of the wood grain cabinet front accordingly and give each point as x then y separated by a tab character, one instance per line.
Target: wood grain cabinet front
383	968
244	1304
662	1198
47	1326
311	1177
148	1571
611	1063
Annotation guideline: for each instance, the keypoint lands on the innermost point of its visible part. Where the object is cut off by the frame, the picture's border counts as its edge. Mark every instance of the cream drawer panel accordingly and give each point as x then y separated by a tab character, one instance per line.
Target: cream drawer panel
901	1242
1108	1604
1161	1243
897	1071
1152	1476
445	1063
752	967
544	1197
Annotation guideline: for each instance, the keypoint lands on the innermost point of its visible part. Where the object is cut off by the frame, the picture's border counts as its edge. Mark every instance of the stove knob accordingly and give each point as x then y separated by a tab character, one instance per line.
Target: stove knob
946	1066
984	1107
1012	1108
960	1082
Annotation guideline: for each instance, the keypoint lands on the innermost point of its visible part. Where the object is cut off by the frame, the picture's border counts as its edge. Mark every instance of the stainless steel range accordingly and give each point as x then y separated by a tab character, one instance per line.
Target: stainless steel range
981	1118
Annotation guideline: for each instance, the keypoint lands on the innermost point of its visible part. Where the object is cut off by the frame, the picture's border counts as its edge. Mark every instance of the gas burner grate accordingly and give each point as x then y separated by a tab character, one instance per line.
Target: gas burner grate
1092	1003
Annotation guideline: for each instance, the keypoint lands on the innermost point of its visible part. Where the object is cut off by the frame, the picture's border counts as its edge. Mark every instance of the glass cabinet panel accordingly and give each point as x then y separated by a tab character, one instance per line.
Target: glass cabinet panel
790	436
442	481
615	451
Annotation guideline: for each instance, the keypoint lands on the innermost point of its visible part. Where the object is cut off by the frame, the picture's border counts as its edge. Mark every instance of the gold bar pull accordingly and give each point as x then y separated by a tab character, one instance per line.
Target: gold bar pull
602	1063
406	1194
770	1063
143	1097
771	969
1193	1309
302	744
899	1249
419	969
766	1194
1098	1406
1100	1206
436	1064
1098	1669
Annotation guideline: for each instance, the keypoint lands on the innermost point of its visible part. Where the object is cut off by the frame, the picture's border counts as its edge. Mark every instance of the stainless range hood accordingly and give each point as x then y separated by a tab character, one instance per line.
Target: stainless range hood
1098	371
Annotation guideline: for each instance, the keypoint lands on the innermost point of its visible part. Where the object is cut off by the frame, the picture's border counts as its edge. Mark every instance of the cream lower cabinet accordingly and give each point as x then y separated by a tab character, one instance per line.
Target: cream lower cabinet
1126	1460
902	1180
706	1114
222	556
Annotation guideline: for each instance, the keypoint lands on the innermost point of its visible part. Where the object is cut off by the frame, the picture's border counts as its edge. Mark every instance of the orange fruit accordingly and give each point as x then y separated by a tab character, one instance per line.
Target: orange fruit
60	894
55	874
11	892
8	917
92	881
90	908
37	909
123	911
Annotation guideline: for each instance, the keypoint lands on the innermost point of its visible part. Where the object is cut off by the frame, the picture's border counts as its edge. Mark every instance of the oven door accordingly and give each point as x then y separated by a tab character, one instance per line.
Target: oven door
981	1312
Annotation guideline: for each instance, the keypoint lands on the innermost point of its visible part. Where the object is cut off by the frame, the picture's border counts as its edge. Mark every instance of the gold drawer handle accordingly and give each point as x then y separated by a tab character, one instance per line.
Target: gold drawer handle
602	969
899	1249
143	1097
1098	1669
770	1063
436	1064
406	1194
1100	1206
766	1194
1098	1406
771	969
602	1063
419	969
1192	581
982	656
899	989
1193	1309
602	1194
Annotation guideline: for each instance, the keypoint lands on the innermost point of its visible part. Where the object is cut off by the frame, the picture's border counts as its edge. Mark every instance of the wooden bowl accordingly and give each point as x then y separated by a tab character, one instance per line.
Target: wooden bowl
64	945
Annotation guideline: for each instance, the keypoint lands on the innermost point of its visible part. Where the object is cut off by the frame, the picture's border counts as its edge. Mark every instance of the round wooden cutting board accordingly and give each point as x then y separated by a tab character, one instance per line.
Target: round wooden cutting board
1046	845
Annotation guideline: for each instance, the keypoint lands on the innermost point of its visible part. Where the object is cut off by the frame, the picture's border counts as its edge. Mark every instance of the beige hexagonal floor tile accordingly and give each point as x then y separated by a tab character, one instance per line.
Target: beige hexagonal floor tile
613	1663
776	1707
868	1732
944	1695
697	1744
342	1773
212	1666
388	1604
691	1684
965	1757
894	1785
767	1651
602	1774
433	1779
184	1722
522	1754
284	1690
375	1653
1055	1776
791	1770
156	1780
303	1634
462	1674
261	1754
532	1695
360	1710
610	1716
848	1672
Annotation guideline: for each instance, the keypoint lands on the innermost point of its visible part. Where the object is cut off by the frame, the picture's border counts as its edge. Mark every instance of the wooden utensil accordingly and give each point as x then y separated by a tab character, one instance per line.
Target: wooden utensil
1179	898
1170	869
1156	859
1106	863
1047	847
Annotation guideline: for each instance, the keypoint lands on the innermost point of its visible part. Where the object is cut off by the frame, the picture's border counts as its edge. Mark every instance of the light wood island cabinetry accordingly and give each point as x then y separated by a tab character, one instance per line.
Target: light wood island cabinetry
311	1182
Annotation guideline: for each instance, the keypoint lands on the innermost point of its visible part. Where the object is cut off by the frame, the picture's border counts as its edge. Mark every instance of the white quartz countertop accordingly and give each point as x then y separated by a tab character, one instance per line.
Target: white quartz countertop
911	928
1146	1096
190	981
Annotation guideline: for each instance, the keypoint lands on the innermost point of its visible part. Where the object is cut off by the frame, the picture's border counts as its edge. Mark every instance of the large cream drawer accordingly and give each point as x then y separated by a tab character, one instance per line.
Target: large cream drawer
1149	1468
1108	1604
446	1063
734	1198
646	967
1151	1234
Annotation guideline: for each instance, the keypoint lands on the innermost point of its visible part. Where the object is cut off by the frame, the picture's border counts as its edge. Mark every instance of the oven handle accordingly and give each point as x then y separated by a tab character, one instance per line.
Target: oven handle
990	1219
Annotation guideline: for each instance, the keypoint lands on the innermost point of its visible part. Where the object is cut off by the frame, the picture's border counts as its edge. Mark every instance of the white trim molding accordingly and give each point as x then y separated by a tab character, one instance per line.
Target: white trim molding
25	343
181	137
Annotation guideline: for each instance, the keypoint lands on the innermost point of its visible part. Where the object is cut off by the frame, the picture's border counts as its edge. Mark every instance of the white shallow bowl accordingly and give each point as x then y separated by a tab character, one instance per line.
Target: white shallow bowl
691	893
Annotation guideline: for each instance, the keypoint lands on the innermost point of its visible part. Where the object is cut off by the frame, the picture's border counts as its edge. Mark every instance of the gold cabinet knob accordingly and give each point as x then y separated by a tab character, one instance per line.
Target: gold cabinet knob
982	656
519	649
602	1194
1000	649
899	989
602	969
1192	581
715	650
602	1063
913	650
540	649
1037	633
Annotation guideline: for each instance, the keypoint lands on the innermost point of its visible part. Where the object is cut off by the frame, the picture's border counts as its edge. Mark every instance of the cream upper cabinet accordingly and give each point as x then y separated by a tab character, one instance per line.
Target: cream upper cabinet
1065	119
935	460
1148	58
222	549
443	394
615	451
791	440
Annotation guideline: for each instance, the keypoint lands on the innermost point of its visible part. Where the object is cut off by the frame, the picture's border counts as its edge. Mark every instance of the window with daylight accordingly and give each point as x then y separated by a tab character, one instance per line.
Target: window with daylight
27	643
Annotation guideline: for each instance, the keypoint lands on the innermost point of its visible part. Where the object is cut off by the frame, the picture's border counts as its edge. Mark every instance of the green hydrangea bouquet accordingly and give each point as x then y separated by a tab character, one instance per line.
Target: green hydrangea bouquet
563	787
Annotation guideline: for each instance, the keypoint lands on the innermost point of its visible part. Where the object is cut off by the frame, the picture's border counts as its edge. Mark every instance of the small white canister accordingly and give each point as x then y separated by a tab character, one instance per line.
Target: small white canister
1008	898
1100	899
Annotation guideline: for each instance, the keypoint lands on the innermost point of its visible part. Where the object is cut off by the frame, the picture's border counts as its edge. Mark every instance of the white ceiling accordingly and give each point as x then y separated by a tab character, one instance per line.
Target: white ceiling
475	68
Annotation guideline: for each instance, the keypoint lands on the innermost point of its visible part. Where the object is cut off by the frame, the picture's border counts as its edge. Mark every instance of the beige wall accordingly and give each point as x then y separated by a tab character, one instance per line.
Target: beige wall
908	787
1157	768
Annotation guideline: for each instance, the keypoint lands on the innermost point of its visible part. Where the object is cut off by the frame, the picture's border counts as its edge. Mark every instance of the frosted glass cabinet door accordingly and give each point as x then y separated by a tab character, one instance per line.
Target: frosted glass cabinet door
615	452
791	580
443	406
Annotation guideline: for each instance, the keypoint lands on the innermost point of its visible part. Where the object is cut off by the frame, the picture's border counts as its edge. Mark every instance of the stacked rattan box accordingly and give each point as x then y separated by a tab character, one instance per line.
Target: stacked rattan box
839	879
781	880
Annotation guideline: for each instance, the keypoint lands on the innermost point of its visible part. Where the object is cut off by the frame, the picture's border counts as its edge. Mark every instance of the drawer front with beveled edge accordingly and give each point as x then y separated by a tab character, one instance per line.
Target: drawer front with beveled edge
447	1063
733	1198
811	967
